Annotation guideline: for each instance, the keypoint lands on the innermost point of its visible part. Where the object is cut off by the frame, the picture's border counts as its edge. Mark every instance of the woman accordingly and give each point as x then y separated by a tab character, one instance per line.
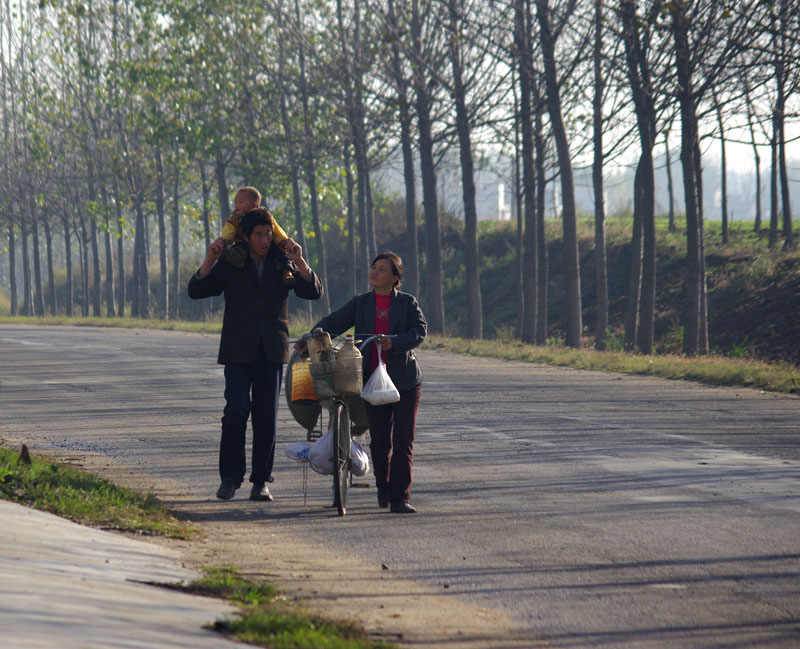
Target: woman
386	310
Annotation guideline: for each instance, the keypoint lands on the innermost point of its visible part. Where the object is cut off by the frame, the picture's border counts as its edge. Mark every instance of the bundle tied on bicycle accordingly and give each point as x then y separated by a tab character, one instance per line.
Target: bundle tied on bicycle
336	373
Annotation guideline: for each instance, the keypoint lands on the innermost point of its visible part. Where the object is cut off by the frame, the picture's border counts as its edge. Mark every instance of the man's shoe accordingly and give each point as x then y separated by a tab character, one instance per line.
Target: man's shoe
402	508
288	278
260	492
236	255
383	499
227	489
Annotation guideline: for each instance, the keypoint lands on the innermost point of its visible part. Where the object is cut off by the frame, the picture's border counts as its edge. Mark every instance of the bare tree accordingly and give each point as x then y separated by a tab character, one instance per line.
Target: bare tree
601	270
549	32
530	244
425	60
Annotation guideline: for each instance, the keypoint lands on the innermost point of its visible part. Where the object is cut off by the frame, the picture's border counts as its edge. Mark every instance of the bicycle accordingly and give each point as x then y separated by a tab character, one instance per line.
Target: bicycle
343	408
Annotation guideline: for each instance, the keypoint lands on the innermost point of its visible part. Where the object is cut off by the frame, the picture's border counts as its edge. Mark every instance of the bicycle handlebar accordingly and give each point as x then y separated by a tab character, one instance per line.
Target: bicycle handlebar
364	338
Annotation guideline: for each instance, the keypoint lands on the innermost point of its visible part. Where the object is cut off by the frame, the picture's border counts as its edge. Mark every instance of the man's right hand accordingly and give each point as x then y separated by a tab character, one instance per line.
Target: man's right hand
215	250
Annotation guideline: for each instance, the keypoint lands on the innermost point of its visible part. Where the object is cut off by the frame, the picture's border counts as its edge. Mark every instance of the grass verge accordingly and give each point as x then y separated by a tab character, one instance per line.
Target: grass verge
266	618
82	497
713	370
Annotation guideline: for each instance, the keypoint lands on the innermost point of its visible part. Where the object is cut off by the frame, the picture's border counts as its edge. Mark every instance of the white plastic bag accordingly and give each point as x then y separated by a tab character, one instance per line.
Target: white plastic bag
320	456
298	451
359	465
379	389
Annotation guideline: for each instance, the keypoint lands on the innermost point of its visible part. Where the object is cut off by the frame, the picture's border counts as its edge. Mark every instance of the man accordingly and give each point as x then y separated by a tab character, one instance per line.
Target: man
255	328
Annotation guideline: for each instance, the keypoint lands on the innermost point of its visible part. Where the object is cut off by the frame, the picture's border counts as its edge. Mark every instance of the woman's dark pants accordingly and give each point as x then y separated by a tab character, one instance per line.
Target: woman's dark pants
391	429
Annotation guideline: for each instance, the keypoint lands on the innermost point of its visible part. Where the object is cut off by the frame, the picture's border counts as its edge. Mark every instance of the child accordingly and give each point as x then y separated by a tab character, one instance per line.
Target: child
246	199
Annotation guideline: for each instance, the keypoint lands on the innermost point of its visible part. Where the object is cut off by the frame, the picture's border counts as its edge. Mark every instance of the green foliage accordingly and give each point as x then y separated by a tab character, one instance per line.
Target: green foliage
73	494
226	582
268	619
752	291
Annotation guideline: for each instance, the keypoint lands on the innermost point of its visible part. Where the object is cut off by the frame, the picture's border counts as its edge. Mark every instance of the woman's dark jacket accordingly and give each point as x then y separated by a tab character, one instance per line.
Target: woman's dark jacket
405	321
256	311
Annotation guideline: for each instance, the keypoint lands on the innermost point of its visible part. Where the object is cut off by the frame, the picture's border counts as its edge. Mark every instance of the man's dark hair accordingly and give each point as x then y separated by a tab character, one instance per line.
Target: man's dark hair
253	218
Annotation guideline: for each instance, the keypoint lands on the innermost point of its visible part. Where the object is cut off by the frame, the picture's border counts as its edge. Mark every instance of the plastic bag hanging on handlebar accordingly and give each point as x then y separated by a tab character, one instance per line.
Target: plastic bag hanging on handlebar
379	389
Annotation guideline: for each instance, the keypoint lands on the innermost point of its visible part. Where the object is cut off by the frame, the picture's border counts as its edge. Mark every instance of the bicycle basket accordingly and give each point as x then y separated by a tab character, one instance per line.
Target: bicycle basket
325	377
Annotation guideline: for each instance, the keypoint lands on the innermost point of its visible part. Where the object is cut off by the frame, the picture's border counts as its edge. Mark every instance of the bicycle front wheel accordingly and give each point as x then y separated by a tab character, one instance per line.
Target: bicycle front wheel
341	455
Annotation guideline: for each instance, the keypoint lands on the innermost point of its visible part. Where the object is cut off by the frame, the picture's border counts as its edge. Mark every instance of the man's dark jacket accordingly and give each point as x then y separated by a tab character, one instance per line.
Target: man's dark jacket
406	323
256	312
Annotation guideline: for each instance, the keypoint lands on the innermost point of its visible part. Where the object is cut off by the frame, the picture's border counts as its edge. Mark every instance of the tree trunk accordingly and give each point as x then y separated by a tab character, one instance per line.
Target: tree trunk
70	289
698	169
756	161
786	207
291	155
411	261
530	243
121	293
601	274
434	297
779	39
354	112
174	300
542	264
641	299
223	196
38	294
141	279
723	168
205	189
648	306
670	190
774	214
519	217
84	250
163	286
90	214
109	282
311	176
463	128
27	298
569	213
12	265
51	275
634	295
352	241
691	330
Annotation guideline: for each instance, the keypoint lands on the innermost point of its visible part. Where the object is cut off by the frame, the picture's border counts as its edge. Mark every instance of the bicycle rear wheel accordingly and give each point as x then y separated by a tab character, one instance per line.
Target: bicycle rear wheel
341	455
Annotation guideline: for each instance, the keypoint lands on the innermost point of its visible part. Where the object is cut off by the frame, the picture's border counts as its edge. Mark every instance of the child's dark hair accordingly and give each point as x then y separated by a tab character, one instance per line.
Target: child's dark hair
253	218
396	262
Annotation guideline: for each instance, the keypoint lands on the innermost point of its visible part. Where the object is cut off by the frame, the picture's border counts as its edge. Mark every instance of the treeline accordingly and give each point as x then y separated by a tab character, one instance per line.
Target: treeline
126	124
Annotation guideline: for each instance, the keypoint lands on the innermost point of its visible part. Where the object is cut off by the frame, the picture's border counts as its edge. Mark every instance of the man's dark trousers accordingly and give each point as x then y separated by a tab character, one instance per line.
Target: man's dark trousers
250	389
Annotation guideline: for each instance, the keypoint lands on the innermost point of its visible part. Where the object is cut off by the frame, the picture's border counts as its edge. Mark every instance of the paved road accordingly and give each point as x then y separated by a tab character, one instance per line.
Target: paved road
595	510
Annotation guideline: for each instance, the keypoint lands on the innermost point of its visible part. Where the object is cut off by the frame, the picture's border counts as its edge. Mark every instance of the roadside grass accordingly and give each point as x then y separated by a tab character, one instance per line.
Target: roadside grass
70	493
210	326
712	369
266	617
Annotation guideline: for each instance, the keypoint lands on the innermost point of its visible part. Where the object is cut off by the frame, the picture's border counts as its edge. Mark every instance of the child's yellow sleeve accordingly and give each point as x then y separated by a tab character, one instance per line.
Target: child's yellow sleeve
278	234
230	231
